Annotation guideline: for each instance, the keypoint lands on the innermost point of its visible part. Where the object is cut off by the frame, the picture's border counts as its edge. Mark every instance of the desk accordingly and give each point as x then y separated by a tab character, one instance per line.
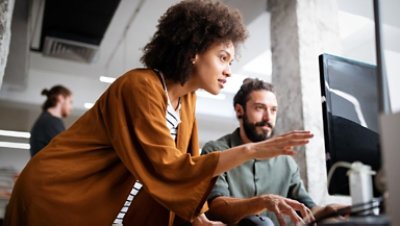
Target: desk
380	220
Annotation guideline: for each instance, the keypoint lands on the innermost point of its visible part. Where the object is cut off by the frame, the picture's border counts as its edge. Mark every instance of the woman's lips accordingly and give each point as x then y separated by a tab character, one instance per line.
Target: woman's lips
221	82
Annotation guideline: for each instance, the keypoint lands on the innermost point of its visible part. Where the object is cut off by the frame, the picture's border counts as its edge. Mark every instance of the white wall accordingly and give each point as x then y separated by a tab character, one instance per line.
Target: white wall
357	28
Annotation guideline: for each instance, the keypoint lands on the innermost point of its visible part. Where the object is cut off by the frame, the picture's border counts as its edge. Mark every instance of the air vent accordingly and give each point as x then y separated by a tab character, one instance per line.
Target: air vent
70	50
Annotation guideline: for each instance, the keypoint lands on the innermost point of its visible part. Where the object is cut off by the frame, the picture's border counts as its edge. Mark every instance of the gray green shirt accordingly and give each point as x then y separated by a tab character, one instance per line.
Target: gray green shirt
279	175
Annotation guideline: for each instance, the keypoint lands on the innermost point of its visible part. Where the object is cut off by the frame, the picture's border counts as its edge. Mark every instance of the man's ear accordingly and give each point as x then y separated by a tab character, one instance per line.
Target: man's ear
239	111
60	98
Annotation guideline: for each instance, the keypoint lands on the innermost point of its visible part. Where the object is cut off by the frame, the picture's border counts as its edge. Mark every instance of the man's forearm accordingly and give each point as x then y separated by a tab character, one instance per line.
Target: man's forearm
232	210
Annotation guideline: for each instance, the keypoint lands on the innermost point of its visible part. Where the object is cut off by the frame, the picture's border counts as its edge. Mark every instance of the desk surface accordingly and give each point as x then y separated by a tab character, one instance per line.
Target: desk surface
380	220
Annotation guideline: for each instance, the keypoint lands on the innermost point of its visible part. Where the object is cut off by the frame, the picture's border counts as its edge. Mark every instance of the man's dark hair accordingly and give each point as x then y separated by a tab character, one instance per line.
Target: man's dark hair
249	85
52	94
189	28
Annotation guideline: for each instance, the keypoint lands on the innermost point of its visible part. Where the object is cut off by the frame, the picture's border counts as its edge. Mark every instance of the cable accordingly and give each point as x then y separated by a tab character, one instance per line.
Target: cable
335	166
353	210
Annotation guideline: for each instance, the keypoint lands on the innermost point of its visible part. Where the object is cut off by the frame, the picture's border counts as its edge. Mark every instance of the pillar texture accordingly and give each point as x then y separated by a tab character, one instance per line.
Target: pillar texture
6	9
300	31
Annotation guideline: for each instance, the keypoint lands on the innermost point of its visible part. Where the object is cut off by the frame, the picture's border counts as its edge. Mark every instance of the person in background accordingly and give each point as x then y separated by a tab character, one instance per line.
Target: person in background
57	106
134	156
264	187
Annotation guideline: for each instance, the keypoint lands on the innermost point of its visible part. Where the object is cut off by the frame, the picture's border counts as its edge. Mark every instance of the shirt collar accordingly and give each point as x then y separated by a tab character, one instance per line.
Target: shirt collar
235	139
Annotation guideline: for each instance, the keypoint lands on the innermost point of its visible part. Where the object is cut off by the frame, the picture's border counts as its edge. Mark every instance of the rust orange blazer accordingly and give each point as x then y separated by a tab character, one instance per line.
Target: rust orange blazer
85	174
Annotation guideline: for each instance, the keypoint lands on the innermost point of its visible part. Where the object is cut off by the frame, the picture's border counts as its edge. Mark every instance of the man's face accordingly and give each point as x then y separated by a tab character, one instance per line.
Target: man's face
66	106
260	115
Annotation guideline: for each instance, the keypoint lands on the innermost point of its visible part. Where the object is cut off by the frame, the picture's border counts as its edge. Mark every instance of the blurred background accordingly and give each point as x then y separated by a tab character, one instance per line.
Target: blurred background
85	45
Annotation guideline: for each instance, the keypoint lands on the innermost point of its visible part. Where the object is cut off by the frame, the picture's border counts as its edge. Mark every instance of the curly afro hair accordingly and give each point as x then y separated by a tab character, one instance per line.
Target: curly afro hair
189	28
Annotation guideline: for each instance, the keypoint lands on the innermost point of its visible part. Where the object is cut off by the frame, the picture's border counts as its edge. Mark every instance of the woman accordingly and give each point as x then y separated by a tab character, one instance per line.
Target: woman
142	134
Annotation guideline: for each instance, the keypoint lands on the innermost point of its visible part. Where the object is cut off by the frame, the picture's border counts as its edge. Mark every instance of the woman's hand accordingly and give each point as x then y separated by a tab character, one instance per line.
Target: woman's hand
283	206
280	145
203	221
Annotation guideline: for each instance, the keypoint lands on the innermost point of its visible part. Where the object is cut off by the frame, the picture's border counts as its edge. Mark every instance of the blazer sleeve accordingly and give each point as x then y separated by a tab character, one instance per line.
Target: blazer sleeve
133	111
221	186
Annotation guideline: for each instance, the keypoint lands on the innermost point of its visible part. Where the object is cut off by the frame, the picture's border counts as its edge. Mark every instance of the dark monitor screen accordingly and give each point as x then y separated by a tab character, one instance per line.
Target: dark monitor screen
350	113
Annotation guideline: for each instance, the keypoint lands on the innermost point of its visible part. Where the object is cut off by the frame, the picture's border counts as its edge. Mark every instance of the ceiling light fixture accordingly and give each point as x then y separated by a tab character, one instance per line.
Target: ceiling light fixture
88	105
15	145
106	79
12	133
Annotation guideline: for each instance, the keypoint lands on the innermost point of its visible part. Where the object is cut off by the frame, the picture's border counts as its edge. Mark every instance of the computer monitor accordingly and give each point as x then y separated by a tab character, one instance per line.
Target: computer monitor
350	115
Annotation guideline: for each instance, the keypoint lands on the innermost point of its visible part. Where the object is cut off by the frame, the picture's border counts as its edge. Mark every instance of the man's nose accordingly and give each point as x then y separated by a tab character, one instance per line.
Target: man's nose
266	115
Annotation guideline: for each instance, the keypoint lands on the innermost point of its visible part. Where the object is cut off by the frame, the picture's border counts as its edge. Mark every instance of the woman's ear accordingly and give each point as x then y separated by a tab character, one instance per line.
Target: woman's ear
194	59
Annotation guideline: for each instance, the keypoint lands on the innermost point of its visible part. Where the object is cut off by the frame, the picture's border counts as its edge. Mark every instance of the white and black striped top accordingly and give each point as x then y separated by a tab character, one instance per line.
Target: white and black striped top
172	115
173	120
136	187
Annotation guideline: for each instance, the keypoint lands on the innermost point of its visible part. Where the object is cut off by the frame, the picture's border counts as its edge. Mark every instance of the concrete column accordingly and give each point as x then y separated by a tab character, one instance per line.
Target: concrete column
300	31
16	72
6	9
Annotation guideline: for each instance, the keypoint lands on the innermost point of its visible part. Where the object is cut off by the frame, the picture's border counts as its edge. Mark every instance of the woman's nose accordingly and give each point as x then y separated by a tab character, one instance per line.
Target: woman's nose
227	71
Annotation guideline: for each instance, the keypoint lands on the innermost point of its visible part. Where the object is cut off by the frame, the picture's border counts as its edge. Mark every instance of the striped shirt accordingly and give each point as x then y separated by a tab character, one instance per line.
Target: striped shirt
173	120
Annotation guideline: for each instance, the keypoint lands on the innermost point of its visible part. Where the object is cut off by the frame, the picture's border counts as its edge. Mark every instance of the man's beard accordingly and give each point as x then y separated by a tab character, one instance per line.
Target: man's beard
64	113
251	130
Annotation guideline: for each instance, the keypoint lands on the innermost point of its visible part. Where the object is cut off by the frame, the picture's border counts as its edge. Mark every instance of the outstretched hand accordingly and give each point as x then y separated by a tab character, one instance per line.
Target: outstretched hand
281	145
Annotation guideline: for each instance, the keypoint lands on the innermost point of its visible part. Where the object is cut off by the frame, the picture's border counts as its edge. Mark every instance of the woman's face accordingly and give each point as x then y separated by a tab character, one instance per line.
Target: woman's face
212	67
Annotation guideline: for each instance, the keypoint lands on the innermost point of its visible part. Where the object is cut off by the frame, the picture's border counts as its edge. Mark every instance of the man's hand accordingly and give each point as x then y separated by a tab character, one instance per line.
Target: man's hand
320	211
203	221
284	206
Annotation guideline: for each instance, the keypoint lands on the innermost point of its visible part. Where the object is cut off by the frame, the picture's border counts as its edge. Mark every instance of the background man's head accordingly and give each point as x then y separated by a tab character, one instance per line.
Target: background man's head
256	108
58	96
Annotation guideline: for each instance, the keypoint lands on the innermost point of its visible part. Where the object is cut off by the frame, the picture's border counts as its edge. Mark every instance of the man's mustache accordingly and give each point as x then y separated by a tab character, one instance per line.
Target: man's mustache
263	123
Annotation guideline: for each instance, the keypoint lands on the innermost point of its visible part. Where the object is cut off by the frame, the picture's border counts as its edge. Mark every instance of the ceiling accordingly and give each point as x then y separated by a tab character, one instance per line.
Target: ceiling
117	30
72	29
81	21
